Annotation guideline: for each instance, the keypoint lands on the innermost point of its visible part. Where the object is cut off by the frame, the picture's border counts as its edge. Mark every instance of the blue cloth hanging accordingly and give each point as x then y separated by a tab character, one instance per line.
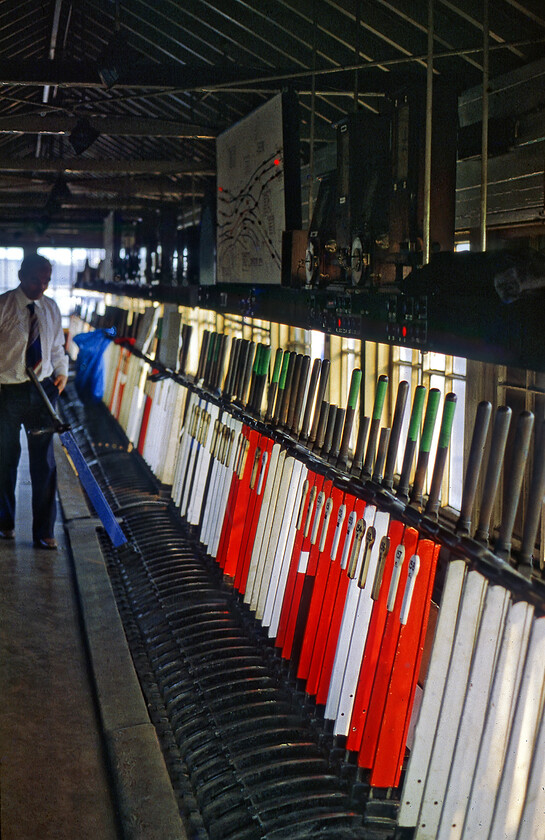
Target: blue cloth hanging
89	380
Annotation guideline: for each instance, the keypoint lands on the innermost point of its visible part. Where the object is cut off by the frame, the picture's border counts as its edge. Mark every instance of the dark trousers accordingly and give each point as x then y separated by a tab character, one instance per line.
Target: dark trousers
21	405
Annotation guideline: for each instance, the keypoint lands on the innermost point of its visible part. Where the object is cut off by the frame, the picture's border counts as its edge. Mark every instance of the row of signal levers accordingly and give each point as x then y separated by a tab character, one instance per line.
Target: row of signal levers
339	570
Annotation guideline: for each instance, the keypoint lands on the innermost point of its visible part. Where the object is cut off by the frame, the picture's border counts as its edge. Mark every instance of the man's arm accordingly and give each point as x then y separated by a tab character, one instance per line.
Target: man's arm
59	358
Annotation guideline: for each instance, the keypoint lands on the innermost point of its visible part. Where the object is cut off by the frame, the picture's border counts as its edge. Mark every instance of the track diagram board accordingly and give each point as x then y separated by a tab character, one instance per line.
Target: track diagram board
252	165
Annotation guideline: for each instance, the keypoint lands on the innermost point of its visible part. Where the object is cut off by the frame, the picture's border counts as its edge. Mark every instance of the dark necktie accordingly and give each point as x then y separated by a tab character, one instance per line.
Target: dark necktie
33	356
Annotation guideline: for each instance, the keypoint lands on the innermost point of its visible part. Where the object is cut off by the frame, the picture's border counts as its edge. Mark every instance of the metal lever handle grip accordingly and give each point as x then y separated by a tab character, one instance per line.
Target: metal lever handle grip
357	461
336	440
535	498
328	438
432	505
395	434
425	445
500	430
380	396
381	455
521	444
321	428
322	385
303	379
315	373
474	462
274	384
288	379
355	384
279	404
410	444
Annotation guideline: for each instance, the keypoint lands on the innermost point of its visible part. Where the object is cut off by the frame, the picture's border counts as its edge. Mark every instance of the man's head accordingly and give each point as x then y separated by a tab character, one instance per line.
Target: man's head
34	274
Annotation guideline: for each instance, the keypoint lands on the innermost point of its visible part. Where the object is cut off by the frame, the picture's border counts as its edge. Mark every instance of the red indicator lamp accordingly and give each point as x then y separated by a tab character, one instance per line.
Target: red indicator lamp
404	332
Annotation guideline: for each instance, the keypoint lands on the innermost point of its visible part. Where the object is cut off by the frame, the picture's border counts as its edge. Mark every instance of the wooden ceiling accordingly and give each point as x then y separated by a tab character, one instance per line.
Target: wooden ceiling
187	71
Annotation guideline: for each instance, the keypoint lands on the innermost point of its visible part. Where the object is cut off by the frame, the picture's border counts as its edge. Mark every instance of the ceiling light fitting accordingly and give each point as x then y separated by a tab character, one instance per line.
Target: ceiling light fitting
113	60
60	192
83	135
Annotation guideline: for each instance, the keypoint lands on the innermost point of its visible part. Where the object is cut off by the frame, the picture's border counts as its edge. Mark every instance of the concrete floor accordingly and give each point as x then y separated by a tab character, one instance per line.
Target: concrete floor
53	778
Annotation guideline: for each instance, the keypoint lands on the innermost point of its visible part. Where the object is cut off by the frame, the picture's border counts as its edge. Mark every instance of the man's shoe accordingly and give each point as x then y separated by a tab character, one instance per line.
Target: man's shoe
7	534
47	543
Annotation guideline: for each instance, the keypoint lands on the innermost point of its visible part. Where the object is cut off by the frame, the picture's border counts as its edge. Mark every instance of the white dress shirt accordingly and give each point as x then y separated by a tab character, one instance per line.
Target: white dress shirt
14	326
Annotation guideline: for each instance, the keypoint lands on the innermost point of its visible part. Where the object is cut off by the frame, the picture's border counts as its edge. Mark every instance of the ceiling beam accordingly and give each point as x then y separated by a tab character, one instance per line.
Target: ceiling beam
83	202
140	75
156	187
67	74
92	166
177	77
84	238
129	186
120	126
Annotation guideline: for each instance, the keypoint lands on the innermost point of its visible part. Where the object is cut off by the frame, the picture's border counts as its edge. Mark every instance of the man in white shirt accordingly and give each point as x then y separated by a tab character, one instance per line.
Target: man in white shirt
30	335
